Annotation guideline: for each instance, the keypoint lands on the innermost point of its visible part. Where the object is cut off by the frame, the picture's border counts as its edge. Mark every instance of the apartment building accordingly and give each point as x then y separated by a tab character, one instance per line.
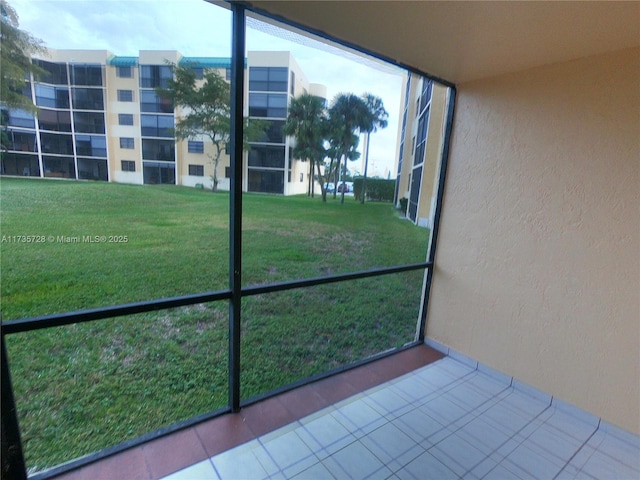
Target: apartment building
100	118
420	141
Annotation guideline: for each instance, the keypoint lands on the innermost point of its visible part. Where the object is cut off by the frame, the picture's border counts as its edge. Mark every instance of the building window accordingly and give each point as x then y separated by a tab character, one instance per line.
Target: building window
128	166
124	72
52	120
267	181
268	79
93	169
268	105
20	118
125	119
425	95
20	164
272	132
127	142
301	177
157	125
89	122
421	138
292	87
158	173
151	102
164	150
86	75
227	172
54	97
87	98
154	76
227	74
266	156
56	73
195	147
59	166
125	95
21	141
196	170
198	72
91	145
56	143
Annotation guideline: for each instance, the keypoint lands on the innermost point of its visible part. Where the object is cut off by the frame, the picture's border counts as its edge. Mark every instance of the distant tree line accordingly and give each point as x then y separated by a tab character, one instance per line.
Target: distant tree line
329	136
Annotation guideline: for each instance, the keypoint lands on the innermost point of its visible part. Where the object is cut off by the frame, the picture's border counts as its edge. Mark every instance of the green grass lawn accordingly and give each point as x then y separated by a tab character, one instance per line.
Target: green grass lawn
80	388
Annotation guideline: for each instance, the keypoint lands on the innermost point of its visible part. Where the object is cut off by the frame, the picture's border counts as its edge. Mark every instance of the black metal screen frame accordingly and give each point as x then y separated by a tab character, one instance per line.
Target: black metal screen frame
13	464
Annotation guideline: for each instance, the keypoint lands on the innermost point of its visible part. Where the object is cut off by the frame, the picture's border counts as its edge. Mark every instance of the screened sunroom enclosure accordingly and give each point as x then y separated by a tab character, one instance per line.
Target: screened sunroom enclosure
294	299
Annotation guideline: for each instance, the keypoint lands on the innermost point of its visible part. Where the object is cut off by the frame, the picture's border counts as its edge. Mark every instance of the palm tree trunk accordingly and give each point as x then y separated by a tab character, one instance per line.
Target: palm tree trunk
323	189
345	171
366	165
336	176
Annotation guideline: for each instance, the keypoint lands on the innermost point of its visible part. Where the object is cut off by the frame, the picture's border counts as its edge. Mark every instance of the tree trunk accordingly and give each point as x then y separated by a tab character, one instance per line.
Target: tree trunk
366	165
345	171
323	189
336	175
310	189
214	187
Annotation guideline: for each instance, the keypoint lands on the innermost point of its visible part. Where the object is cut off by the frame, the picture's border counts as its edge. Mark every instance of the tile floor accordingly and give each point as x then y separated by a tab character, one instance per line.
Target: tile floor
448	419
414	414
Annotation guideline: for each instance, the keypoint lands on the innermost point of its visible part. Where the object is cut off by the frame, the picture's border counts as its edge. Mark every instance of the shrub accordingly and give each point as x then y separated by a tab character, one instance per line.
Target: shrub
404	202
378	189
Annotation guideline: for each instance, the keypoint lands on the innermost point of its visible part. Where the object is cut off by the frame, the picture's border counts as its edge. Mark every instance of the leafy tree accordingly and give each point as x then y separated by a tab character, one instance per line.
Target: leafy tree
378	119
206	110
307	122
17	47
348	116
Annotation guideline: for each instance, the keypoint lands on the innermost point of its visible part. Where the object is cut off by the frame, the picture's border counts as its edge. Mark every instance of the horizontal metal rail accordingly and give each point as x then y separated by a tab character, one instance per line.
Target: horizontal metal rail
82	316
311	282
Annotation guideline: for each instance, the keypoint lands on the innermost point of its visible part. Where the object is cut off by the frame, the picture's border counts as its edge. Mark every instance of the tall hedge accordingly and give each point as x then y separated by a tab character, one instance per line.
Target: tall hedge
378	189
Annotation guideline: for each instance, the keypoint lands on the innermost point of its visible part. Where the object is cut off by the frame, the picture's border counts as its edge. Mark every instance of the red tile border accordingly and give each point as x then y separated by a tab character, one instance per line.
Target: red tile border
223	433
266	416
129	464
333	389
302	401
169	454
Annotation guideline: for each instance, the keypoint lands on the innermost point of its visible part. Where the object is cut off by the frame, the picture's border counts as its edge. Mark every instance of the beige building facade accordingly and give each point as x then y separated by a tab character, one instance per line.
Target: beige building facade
420	145
100	118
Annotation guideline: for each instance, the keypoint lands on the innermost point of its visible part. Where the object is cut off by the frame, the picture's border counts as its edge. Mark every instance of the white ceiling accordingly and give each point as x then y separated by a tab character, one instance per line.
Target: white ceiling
463	41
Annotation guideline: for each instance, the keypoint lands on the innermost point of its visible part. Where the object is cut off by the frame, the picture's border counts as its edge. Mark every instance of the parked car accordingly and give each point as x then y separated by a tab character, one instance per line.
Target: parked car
329	187
347	187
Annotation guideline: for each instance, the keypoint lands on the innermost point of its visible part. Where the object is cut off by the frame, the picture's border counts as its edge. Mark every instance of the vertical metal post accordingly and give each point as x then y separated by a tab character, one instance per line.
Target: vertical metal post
13	465
366	166
436	216
235	211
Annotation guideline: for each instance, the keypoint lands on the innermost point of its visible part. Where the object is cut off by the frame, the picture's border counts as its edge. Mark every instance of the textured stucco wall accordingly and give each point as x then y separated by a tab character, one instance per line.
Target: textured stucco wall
538	262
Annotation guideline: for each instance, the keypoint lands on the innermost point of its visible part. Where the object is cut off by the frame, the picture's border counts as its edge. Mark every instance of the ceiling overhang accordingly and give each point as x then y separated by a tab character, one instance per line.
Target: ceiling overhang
465	41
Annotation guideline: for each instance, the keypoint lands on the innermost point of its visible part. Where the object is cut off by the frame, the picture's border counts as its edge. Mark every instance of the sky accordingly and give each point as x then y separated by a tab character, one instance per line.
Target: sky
197	28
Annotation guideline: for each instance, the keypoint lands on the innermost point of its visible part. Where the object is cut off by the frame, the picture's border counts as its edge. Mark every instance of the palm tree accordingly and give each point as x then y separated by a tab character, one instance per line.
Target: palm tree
348	116
379	118
306	121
